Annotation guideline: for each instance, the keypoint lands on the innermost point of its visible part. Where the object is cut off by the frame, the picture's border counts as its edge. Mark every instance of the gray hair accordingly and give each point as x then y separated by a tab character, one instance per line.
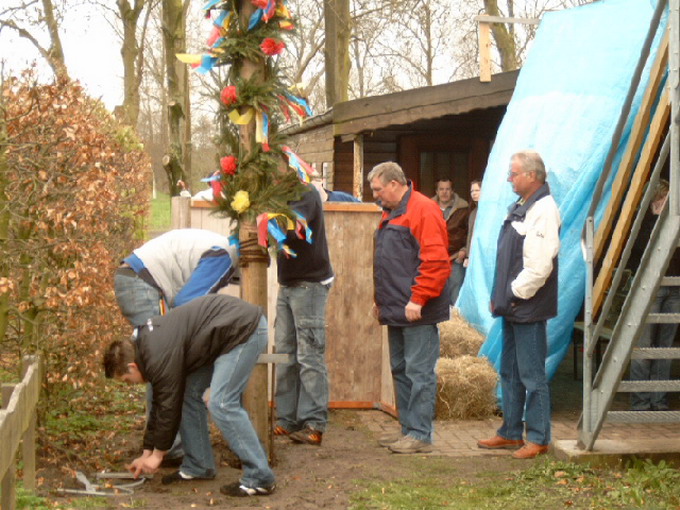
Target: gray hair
387	172
531	161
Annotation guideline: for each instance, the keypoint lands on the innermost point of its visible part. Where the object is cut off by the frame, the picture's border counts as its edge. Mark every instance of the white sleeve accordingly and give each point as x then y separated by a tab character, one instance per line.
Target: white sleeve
541	229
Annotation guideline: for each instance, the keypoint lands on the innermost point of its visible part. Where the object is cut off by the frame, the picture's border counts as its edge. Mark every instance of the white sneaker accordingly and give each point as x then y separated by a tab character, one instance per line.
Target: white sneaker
389	438
408	444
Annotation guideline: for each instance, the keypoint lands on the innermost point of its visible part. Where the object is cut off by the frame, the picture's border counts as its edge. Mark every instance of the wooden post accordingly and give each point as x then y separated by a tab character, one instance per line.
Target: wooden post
8	495
254	260
484	51
28	440
358	177
181	212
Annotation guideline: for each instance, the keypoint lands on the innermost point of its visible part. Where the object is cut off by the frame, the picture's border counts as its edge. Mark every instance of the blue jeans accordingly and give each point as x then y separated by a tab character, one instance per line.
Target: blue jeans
655	335
138	301
227	379
300	330
456	280
414	351
524	382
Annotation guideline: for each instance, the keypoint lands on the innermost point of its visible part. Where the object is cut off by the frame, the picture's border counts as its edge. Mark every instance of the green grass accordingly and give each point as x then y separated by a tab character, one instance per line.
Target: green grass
161	215
547	484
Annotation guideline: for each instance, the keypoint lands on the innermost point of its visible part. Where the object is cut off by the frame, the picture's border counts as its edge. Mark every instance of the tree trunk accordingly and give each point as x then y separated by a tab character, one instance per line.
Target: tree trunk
55	52
131	53
505	42
174	37
336	53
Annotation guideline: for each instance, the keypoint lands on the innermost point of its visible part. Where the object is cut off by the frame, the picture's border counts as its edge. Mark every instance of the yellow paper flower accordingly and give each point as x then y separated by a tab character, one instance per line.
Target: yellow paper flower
241	201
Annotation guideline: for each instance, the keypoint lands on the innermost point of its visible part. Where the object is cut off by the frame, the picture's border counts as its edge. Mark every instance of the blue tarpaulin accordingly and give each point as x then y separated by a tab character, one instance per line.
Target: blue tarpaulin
566	105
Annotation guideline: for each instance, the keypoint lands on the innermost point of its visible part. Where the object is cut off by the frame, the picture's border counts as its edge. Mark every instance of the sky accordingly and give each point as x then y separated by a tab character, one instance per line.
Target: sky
92	51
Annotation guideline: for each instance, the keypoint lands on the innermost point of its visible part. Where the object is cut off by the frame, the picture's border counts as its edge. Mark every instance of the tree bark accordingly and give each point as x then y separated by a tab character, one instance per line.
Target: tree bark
174	38
132	56
55	51
505	41
337	55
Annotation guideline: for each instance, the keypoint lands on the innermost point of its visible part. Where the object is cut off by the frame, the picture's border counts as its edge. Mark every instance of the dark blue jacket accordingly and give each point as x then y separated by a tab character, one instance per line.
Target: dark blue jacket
411	262
525	282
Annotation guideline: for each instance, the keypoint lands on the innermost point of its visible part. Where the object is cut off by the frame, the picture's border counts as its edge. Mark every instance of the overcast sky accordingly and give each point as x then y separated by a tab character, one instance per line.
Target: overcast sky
92	51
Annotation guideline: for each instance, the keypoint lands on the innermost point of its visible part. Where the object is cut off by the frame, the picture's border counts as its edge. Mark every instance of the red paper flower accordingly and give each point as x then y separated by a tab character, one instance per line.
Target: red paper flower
229	95
228	164
260	4
272	47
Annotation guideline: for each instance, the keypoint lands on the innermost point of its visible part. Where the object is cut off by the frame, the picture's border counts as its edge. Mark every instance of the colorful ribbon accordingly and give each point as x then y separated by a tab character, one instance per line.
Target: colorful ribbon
303	169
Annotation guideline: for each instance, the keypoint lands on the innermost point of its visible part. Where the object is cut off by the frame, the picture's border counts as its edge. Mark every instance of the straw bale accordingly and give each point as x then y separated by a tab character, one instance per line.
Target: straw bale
458	337
466	388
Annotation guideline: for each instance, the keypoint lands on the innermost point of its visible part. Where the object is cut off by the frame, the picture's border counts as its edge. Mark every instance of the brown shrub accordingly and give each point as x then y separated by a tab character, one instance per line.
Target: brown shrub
74	189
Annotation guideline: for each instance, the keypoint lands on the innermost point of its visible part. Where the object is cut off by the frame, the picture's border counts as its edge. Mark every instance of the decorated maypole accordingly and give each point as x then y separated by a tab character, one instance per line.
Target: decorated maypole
258	174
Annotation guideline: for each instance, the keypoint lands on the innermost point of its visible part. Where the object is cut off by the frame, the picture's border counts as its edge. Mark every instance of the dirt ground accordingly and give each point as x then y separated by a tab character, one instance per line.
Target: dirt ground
308	477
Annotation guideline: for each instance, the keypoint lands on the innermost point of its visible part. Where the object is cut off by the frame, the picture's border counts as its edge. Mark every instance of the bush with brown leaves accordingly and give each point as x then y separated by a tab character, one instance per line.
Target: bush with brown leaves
74	190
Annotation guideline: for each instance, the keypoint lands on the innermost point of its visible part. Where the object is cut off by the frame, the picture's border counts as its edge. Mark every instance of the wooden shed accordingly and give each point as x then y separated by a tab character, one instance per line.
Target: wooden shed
444	130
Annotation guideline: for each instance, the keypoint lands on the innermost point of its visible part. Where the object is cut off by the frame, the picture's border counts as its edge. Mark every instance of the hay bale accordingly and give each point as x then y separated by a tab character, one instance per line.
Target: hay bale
458	337
466	388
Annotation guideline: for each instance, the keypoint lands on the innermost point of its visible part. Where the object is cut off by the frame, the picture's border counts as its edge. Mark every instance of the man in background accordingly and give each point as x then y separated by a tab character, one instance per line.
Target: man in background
455	211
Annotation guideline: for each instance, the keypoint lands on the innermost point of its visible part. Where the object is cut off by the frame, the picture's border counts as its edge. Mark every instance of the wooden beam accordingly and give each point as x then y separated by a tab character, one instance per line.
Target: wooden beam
358	162
620	184
484	52
635	191
484	18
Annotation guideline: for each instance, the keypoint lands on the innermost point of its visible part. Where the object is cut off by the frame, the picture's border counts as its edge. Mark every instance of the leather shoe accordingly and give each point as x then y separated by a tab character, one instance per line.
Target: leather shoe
531	450
500	443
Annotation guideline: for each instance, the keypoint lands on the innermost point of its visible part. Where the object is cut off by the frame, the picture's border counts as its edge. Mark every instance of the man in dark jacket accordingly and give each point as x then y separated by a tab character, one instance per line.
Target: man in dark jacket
410	272
212	342
456	212
524	294
300	329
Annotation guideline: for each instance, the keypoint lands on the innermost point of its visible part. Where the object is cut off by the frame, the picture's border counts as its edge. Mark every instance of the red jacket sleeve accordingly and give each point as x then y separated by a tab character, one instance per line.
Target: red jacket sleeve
430	232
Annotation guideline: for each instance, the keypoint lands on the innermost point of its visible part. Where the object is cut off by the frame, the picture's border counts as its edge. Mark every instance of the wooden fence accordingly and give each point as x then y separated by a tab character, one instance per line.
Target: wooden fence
17	425
356	346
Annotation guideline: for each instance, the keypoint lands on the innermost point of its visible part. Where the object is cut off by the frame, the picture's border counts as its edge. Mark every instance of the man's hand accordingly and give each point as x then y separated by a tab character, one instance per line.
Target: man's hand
461	256
413	311
148	462
375	311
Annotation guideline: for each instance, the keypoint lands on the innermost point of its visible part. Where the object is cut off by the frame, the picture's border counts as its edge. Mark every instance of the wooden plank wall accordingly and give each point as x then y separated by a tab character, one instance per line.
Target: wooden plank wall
358	365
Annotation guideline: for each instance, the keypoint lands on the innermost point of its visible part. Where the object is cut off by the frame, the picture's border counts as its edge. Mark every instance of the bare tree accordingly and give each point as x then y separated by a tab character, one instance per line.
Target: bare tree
177	159
132	52
31	20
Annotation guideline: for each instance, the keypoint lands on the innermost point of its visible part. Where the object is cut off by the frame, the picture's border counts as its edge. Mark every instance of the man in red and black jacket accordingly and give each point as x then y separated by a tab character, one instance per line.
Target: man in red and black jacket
410	271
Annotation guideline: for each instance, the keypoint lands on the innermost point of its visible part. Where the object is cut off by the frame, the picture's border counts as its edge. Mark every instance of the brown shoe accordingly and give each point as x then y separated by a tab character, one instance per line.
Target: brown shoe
531	450
281	431
307	435
500	443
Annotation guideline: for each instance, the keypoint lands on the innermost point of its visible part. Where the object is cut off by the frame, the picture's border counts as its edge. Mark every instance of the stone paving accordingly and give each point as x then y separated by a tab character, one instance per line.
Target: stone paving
459	438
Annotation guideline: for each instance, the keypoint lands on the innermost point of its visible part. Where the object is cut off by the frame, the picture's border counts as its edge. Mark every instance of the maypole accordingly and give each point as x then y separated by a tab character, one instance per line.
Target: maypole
258	174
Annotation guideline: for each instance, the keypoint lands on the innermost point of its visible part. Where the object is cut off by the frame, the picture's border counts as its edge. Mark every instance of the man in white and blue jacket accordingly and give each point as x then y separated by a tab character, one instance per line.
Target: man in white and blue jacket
524	294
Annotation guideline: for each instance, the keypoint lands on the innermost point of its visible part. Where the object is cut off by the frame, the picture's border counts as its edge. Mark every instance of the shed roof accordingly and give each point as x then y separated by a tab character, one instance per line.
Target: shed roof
399	108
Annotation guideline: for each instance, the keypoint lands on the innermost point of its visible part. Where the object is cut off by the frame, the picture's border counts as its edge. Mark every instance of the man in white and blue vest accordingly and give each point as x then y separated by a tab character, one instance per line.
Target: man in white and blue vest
524	294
